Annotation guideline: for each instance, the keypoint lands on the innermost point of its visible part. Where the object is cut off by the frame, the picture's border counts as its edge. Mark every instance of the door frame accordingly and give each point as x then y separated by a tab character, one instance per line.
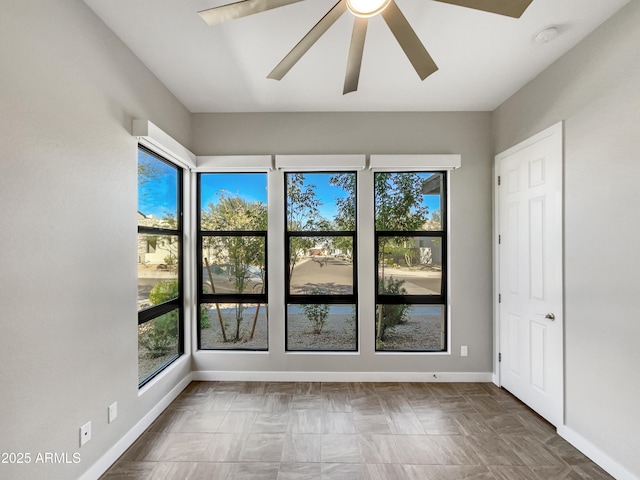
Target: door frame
556	129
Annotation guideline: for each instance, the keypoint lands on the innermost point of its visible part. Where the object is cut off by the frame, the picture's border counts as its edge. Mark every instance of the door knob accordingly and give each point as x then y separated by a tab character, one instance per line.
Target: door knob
548	316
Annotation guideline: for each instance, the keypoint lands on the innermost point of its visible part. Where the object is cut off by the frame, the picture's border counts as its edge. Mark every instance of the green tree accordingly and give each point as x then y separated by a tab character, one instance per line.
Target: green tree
243	254
302	204
398	201
302	215
345	218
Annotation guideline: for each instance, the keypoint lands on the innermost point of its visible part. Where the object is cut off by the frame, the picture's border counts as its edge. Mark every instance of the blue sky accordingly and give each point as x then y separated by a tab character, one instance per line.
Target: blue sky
158	196
325	192
328	194
252	187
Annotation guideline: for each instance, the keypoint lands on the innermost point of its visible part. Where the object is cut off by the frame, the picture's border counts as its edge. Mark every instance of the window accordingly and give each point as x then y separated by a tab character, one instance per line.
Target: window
160	290
320	261
410	238
232	252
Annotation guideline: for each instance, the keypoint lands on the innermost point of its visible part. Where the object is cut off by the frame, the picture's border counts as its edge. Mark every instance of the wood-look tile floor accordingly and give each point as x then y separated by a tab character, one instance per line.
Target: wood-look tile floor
350	431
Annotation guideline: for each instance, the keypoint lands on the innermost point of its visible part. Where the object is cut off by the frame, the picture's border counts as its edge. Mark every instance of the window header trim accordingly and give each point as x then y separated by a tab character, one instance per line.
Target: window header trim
155	139
234	163
406	163
320	163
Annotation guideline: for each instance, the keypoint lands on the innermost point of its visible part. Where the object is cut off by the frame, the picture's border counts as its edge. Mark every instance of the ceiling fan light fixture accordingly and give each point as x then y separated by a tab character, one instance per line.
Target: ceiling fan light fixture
367	8
400	27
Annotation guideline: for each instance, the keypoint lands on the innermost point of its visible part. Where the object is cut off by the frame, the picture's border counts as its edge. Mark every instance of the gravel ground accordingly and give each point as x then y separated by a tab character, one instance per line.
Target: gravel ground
421	332
338	333
211	337
148	365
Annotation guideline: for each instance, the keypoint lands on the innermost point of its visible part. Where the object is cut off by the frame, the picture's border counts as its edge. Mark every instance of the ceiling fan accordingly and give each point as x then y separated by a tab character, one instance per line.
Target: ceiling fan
362	10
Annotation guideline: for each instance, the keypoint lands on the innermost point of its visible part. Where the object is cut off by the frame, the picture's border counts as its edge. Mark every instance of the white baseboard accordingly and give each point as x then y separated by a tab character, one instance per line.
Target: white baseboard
109	458
343	376
608	464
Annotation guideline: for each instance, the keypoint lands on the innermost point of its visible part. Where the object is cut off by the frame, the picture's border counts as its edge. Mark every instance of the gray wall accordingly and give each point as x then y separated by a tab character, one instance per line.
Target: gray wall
467	134
68	92
595	90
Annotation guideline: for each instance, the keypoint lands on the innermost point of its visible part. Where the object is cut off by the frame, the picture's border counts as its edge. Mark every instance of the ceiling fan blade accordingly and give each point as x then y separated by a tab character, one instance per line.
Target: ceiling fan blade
354	62
307	41
222	14
409	41
510	8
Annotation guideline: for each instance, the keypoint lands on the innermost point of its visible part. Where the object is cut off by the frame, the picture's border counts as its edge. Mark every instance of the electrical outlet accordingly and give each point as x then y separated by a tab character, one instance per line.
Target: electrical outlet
113	411
464	351
85	433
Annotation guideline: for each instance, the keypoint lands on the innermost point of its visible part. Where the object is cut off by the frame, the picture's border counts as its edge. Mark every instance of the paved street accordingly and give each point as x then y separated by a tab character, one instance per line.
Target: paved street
335	276
417	282
327	273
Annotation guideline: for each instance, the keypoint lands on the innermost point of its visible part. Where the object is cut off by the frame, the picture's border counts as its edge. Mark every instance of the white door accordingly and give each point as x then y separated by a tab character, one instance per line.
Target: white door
530	272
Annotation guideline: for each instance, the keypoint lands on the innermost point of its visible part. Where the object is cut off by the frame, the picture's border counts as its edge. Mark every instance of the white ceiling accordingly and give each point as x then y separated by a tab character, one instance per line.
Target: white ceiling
483	58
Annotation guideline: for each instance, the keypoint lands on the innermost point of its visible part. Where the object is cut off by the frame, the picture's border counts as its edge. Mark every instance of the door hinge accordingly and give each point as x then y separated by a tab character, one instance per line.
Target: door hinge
498	180
499	239
499	357
499	298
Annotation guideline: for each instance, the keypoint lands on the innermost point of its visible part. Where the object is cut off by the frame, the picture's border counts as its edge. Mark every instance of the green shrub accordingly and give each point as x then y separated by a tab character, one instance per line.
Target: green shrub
204	317
392	314
316	313
163	291
159	336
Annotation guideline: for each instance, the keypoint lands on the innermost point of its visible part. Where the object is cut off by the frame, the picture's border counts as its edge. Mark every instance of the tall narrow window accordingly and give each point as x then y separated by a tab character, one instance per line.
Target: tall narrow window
320	249
411	239
232	250
160	296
